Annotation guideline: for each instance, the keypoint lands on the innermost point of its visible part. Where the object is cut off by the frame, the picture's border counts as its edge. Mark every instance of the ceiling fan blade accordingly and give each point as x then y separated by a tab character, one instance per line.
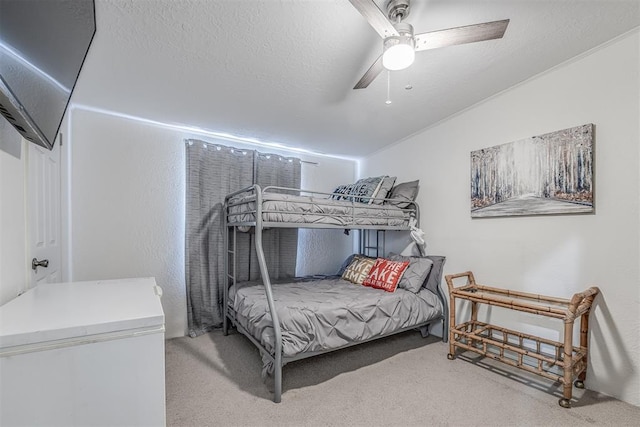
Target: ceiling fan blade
375	17
371	74
461	35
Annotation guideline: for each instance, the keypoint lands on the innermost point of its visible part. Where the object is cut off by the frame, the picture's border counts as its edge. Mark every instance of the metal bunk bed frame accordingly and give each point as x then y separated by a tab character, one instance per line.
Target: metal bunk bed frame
277	358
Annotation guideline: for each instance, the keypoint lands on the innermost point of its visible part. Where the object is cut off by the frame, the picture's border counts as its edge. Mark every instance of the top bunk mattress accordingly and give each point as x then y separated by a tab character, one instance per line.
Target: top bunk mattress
293	209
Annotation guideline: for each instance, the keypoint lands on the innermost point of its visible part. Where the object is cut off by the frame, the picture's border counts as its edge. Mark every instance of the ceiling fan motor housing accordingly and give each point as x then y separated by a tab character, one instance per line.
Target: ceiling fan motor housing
397	9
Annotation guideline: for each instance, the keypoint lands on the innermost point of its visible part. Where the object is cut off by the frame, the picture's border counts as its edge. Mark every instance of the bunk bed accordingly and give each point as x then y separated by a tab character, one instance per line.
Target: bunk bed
303	317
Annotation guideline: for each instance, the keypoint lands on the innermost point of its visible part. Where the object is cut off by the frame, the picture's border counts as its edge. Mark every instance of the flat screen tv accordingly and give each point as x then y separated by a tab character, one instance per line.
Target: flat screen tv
43	44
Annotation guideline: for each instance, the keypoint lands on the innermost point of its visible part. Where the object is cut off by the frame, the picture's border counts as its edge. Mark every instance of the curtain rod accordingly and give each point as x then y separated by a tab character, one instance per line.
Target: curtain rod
191	141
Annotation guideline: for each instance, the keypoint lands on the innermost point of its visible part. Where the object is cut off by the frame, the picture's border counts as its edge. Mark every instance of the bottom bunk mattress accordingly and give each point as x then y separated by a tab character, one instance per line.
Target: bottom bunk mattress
330	313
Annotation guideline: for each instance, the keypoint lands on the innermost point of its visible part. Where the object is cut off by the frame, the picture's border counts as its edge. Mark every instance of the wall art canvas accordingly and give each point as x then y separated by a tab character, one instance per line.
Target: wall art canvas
541	175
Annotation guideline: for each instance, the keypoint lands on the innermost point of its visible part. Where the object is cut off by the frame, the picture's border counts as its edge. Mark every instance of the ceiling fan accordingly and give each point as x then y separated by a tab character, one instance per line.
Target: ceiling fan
400	44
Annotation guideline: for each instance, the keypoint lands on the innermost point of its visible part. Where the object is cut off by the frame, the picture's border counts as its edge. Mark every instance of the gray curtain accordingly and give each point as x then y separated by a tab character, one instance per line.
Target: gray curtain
212	172
280	245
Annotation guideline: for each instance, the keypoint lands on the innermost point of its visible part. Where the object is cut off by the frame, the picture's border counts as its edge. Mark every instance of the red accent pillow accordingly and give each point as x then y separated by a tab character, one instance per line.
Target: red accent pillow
385	274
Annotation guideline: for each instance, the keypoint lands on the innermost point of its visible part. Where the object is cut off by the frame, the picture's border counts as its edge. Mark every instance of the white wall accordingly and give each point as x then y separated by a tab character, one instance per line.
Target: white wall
324	251
127	197
556	255
13	264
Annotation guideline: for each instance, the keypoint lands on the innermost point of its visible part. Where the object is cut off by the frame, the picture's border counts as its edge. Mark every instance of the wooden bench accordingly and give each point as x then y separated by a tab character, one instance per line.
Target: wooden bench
558	361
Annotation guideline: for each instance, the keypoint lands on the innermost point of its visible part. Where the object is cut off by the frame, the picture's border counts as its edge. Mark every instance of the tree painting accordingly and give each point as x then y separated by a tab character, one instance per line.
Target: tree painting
547	174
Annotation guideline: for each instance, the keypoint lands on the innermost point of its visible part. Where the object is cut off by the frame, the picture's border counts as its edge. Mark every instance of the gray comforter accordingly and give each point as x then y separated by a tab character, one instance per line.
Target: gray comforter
329	313
288	208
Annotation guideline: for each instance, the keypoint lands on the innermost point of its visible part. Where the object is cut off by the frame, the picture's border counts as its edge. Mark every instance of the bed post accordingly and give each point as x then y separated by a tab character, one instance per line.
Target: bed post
264	272
443	300
225	281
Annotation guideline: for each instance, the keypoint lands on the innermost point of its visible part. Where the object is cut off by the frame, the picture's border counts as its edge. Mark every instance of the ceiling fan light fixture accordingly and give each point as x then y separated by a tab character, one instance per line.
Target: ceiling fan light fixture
398	56
399	51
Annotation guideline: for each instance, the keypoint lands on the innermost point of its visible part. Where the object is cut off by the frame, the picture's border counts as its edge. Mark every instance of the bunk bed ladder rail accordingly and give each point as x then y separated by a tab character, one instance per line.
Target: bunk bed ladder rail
367	246
266	281
228	276
264	272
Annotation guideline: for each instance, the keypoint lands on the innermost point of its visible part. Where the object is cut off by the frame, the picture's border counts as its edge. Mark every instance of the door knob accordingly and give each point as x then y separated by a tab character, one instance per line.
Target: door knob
35	264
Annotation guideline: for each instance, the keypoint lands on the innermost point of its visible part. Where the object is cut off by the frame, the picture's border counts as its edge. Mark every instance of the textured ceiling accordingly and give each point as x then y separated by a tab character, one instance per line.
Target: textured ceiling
283	71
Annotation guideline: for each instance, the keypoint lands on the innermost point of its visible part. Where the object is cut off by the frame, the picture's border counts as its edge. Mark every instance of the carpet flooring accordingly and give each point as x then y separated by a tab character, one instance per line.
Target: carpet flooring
403	380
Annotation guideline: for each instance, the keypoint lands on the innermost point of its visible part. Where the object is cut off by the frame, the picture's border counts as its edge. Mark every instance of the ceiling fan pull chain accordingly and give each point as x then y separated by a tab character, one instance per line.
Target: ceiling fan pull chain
388	101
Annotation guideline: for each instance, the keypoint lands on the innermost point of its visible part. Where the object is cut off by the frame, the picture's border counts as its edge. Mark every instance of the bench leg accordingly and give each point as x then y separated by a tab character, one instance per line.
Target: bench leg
567	383
452	324
584	344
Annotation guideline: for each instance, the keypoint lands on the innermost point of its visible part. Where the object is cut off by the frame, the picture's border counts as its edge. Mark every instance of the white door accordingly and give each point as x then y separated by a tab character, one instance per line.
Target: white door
43	211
